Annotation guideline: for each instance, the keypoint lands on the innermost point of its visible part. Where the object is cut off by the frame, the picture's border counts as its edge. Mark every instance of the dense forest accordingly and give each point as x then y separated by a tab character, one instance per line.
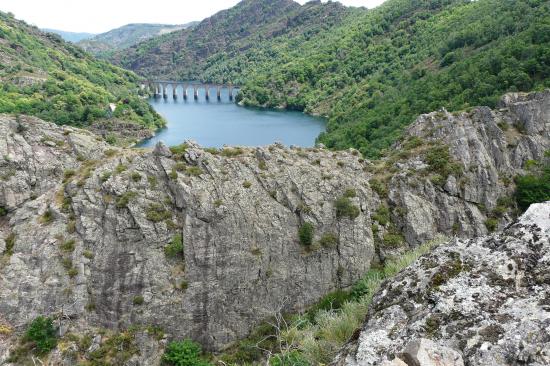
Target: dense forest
371	72
374	75
44	76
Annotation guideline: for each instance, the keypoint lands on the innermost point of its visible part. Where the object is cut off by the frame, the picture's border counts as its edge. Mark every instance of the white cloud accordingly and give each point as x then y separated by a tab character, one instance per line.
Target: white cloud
98	16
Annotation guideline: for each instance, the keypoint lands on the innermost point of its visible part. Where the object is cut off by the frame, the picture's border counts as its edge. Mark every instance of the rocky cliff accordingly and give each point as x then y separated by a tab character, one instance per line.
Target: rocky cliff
206	243
483	301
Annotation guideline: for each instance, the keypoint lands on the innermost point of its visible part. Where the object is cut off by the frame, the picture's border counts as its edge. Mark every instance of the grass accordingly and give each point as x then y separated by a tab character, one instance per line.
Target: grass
319	334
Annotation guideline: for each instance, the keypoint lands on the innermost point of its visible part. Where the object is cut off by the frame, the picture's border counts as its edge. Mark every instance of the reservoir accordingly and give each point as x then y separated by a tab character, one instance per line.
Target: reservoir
214	123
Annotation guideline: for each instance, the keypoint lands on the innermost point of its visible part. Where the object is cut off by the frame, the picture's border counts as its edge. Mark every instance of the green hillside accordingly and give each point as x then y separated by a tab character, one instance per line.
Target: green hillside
43	75
375	74
371	72
205	51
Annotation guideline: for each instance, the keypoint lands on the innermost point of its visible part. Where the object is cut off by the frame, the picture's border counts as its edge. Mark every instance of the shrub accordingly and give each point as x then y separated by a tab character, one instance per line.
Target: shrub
439	160
231	152
344	208
491	224
157	213
136	177
179	149
47	217
123	200
350	193
120	168
138	300
105	176
175	247
3	211
68	174
10	243
43	334
305	234
328	240
68	246
247	184
393	240
382	215
194	171
184	353
379	187
152	181
533	188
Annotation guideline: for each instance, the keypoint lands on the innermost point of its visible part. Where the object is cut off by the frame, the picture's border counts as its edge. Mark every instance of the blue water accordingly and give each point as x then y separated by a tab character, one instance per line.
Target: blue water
216	123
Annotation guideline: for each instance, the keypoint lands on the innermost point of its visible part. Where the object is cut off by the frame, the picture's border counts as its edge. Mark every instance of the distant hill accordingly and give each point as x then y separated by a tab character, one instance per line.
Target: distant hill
186	54
120	38
45	76
70	36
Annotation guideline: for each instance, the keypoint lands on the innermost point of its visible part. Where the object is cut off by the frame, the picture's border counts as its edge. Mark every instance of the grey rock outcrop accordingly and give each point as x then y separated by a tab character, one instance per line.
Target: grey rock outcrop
488	147
204	244
90	225
484	300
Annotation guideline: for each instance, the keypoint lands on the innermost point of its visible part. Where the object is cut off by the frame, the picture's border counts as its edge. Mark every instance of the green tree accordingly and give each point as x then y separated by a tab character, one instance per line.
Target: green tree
184	353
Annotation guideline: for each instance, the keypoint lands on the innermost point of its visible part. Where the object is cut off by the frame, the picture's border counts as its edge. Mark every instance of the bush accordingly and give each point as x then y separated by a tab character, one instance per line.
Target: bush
138	300
179	149
393	240
328	240
379	187
175	247
247	184
491	224
42	333
123	200
350	193
10	243
3	211
533	188
184	353
305	234
382	215
344	208
136	177
158	213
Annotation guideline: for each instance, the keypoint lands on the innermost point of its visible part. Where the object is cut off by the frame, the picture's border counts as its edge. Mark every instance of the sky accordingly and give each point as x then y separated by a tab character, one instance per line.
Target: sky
97	16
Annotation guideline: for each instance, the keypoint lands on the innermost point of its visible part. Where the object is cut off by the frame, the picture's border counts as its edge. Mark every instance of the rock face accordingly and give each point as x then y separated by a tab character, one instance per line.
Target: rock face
488	147
89	225
205	244
484	300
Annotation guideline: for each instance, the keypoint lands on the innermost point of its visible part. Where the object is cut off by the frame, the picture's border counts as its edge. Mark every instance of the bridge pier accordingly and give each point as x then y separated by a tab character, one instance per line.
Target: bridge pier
164	91
158	91
207	91
175	91
219	92
230	92
195	92
185	86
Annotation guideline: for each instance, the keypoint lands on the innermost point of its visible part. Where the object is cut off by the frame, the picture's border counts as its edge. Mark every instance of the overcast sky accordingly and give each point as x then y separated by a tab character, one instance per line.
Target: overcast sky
97	16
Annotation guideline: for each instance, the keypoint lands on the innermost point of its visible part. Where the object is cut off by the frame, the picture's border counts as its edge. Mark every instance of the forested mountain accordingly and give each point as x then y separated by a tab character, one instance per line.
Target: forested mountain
70	36
43	75
370	72
105	44
189	53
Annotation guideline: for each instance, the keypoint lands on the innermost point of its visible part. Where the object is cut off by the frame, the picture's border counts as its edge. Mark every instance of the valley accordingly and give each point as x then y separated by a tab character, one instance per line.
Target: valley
324	185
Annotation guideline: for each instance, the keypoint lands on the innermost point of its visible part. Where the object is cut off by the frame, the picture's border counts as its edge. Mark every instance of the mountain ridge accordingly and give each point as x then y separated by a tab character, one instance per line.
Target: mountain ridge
104	44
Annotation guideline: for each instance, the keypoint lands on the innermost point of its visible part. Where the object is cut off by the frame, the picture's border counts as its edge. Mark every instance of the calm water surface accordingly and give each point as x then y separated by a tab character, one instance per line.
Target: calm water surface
216	123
